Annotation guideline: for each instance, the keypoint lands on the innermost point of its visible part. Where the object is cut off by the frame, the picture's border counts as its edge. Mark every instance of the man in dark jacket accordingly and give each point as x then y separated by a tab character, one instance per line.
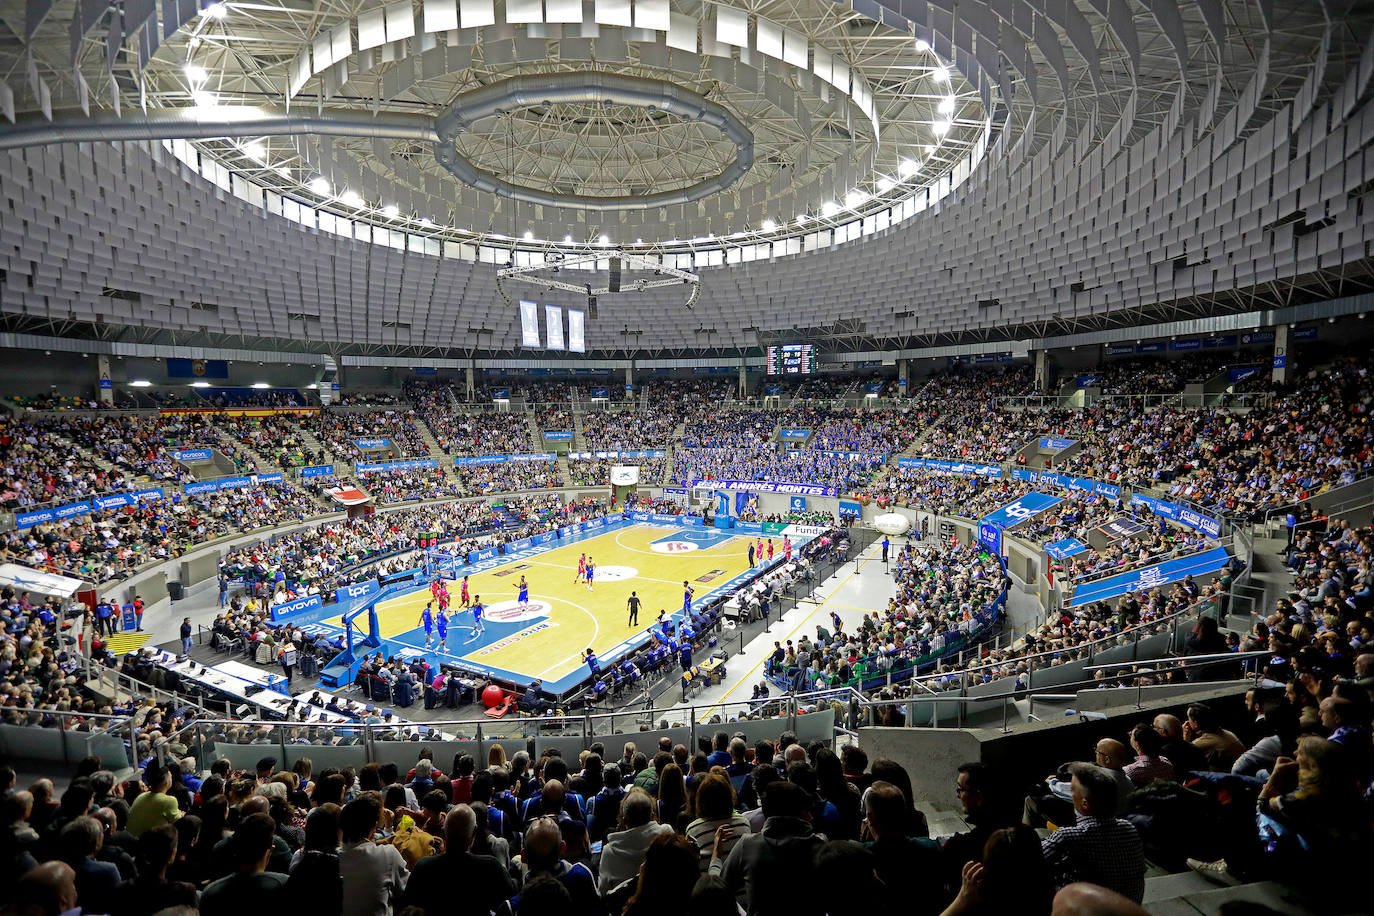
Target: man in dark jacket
761	863
484	883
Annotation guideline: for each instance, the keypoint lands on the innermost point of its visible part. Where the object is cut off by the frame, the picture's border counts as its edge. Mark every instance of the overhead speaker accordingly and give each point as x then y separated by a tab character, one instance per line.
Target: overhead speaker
614	285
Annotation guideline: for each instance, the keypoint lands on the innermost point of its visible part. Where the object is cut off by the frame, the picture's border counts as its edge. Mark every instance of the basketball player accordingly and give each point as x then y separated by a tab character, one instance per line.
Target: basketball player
524	598
434	587
581	574
758	551
770	550
463	596
786	548
687	592
443	600
443	626
427	621
478	628
590	573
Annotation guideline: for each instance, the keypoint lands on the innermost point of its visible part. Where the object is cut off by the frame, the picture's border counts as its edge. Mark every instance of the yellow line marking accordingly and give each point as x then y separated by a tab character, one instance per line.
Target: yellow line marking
750	676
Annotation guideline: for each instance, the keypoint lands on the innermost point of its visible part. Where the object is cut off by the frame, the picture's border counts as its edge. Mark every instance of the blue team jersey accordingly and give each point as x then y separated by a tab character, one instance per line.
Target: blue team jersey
477	611
427	619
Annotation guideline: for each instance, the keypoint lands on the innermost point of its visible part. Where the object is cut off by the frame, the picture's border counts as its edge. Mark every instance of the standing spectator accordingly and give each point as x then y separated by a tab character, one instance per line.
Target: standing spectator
373	876
761	863
1099	848
624	850
186	636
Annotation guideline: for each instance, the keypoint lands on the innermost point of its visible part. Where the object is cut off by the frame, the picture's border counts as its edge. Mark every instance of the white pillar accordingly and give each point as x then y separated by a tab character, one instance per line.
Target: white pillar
471	387
629	382
903	380
1282	360
1041	381
743	385
104	386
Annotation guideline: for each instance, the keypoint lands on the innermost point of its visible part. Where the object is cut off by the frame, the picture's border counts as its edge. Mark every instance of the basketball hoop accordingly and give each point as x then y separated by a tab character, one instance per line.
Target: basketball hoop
546	275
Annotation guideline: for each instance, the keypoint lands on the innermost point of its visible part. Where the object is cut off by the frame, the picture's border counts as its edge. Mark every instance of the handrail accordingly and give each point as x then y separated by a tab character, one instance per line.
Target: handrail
1228	542
1189	659
1105	642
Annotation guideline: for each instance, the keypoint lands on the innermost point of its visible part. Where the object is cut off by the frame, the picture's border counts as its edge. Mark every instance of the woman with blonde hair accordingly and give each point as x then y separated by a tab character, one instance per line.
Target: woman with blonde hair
496	757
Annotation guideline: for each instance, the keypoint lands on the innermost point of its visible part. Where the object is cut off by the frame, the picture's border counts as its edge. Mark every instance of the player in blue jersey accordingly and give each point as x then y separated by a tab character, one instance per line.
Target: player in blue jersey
524	598
591	573
427	621
687	592
442	623
478	628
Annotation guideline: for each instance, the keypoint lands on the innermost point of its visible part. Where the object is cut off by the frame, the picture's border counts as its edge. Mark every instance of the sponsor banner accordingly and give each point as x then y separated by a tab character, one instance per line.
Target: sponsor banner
1156	346
372	443
1304	334
567	531
500	394
1122	527
1060	550
425	370
238	411
319	470
962	468
547	457
850	507
1187	343
73	509
546	537
1055	445
593	523
984	358
805	531
774	528
36	517
761	486
1198	522
797	504
230	483
519	545
674	491
191	454
1119	349
990	536
1106	489
772	390
1199	564
201	486
1157	506
1242	373
588	456
639	516
1089	381
357	590
1257	337
485	554
119	500
480	460
873	388
1280	362
558	436
1012	514
393	467
1219	343
794	433
303	610
601	393
106	384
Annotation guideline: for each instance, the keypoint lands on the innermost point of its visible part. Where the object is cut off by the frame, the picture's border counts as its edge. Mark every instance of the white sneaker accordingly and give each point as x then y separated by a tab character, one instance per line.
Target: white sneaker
1216	872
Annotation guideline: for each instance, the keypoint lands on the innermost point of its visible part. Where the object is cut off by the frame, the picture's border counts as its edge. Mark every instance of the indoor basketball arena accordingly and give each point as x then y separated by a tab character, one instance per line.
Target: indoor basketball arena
682	458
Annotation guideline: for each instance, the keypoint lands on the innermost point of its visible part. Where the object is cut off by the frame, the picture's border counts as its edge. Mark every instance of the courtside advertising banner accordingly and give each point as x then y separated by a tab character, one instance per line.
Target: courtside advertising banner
1050	444
372	443
1061	550
191	454
301	610
393	467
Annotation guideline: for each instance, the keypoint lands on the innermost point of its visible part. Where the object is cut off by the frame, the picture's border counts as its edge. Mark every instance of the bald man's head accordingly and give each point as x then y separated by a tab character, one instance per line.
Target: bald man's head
554	793
47	889
258	804
459	827
1112	754
1084	899
543	844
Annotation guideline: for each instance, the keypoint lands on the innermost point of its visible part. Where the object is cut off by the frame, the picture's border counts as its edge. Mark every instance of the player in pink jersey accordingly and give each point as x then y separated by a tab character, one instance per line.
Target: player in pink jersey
770	549
463	593
786	547
581	568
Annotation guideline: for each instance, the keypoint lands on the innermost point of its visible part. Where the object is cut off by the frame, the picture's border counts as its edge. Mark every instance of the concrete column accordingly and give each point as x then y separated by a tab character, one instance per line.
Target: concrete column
1041	381
471	386
104	385
629	381
903	381
743	385
1282	360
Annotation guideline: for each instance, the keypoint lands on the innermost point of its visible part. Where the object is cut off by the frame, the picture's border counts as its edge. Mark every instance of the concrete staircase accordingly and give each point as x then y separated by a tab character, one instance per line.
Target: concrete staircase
315	446
536	433
438	454
1190	894
579	432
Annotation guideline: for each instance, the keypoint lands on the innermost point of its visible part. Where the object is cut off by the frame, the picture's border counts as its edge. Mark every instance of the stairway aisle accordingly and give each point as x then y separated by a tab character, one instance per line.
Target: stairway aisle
435	452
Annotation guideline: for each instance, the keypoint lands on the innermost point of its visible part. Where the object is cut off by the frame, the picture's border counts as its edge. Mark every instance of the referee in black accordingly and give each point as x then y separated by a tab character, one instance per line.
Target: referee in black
634	609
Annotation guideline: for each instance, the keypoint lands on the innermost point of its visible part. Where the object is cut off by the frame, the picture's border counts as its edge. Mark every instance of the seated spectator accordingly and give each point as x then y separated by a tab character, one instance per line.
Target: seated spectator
901	861
433	879
1149	763
666	878
715	808
542	856
153	807
150	891
1219	746
624	850
1183	754
1099	847
604	810
1011	877
77	845
373	875
250	887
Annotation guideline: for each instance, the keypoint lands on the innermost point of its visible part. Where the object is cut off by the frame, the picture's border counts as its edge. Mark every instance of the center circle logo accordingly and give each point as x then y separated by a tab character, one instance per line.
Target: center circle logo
615	573
512	612
673	546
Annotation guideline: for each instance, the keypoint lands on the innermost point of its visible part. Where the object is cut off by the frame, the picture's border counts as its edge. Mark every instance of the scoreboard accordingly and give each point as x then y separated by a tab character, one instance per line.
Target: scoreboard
792	359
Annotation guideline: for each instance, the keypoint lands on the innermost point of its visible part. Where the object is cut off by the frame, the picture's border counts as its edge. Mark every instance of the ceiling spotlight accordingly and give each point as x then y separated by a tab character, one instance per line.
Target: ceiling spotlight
769	225
922	46
319	185
567	240
829	208
140	383
194	72
603	241
947	105
391	211
855	198
426	221
216	10
529	236
261	385
802	217
639	241
256	151
908	167
351	199
203	99
885	184
200	384
941	74
940	127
